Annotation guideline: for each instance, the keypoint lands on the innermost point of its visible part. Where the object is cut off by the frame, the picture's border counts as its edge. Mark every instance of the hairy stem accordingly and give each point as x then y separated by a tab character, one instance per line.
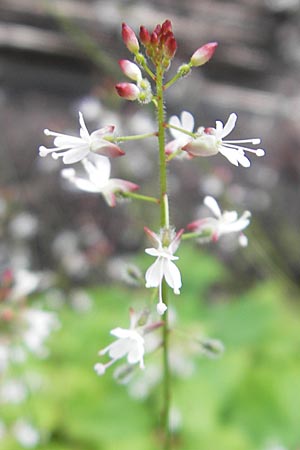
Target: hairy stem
164	223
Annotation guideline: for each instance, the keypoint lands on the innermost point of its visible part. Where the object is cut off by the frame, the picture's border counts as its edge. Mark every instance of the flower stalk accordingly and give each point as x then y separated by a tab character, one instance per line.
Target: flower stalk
164	223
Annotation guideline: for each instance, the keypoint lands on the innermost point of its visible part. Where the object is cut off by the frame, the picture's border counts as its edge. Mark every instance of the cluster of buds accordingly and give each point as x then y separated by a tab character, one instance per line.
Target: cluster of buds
140	91
160	45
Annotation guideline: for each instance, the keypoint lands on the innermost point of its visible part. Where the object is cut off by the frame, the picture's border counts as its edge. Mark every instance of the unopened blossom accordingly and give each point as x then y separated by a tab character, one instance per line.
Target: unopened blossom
140	91
129	344
185	122
130	39
225	222
210	141
163	267
99	181
203	54
130	69
73	149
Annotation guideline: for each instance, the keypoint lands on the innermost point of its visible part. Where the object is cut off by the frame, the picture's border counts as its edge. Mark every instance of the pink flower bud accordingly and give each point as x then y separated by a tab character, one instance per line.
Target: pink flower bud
130	39
130	69
128	90
144	36
203	54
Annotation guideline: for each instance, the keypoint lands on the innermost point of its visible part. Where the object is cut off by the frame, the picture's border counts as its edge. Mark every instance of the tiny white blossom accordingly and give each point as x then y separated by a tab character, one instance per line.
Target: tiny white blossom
26	434
99	181
223	223
129	343
73	149
38	326
186	122
163	267
210	141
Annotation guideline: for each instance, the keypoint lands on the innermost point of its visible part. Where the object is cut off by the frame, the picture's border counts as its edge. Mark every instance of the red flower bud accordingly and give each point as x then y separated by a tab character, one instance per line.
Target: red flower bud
170	47
130	39
144	36
154	38
166	26
203	54
129	91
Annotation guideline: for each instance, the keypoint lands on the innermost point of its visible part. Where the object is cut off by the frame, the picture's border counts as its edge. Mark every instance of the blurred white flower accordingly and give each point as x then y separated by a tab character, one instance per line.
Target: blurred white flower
73	149
38	326
4	357
129	343
163	267
24	225
13	391
210	141
25	283
224	223
26	434
99	181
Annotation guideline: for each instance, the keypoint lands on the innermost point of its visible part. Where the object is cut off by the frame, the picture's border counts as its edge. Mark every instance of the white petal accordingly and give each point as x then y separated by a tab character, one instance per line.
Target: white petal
172	275
154	274
231	154
212	204
119	348
174	120
121	333
187	121
83	130
229	126
75	155
152	251
99	174
84	185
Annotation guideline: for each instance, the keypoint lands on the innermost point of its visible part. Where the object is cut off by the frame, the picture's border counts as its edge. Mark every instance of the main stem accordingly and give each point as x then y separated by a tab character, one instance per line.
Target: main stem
164	223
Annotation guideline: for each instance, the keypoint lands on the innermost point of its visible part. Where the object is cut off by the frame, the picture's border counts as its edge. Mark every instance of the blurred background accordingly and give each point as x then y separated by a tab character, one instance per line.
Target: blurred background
63	252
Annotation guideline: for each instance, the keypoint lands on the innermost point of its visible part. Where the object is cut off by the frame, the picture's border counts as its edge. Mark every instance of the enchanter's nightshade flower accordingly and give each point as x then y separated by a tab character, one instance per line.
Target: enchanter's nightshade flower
73	149
166	245
224	223
129	343
99	181
210	141
186	122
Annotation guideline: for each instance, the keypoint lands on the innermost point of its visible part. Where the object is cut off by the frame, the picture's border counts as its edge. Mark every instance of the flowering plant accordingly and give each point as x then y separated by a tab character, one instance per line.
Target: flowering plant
147	73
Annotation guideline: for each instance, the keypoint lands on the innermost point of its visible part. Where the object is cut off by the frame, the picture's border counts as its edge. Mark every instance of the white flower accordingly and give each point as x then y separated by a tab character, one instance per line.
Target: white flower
98	171
38	326
129	343
163	267
223	223
185	122
26	434
73	149
210	141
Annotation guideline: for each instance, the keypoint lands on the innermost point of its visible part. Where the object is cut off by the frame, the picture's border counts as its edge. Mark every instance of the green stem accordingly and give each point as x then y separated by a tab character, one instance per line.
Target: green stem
164	223
135	137
182	130
201	234
172	81
144	198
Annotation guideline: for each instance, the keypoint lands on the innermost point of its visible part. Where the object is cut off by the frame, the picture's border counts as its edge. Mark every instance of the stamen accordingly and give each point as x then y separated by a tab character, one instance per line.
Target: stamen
260	152
239	147
254	141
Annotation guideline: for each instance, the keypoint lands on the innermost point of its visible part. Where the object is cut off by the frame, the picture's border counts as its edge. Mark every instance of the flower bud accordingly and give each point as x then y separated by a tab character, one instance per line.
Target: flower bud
130	69
129	91
130	39
170	47
203	54
144	36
